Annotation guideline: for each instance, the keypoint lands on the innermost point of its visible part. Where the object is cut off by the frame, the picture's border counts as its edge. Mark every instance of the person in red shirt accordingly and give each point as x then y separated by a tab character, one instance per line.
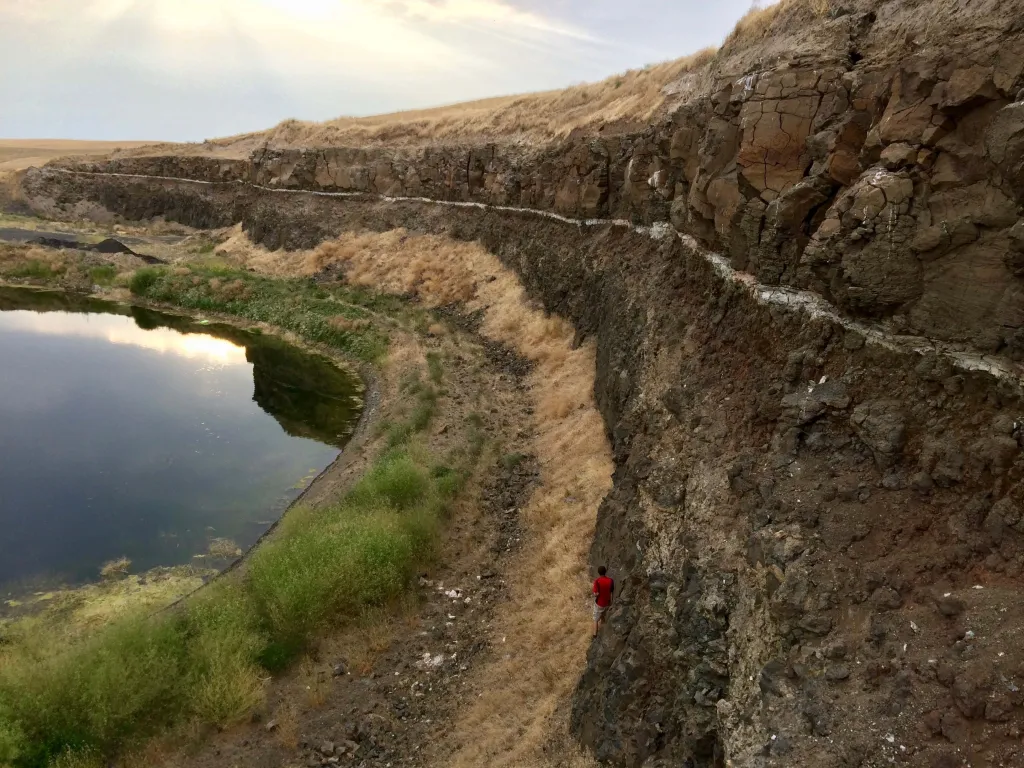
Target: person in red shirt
603	589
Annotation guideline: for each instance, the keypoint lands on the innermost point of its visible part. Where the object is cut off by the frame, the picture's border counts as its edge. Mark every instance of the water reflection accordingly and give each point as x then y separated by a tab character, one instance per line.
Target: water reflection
123	330
125	431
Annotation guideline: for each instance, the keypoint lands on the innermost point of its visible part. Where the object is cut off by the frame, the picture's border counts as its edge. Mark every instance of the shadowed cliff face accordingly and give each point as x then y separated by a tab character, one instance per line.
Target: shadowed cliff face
816	526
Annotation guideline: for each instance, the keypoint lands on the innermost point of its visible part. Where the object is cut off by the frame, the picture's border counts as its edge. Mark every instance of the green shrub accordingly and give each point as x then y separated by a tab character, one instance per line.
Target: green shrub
447	481
225	645
86	758
143	280
394	480
424	411
331	569
12	740
339	561
103	275
124	681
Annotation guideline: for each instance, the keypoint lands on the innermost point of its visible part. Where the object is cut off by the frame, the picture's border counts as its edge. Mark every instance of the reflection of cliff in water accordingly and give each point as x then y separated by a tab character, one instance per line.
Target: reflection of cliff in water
306	393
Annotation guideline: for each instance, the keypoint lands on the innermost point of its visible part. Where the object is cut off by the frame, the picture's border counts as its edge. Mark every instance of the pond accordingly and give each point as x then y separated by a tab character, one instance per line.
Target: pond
131	433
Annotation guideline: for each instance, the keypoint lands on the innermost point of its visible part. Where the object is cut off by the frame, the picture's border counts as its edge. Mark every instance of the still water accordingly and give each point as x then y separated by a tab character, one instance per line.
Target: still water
126	432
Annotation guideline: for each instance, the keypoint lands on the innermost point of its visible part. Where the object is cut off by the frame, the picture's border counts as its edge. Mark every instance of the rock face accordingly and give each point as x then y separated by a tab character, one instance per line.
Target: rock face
816	527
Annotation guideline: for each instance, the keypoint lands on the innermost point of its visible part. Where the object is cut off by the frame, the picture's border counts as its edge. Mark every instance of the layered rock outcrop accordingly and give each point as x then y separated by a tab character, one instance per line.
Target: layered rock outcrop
816	521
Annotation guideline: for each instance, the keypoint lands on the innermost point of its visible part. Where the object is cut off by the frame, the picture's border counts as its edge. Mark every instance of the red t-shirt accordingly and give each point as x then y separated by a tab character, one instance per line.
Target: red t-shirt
603	588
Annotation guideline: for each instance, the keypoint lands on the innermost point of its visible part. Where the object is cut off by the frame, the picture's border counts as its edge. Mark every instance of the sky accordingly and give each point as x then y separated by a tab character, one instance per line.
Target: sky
187	70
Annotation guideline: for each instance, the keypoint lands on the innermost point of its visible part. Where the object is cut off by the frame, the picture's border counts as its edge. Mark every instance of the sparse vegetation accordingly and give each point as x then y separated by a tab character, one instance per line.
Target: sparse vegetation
224	549
761	21
545	651
634	95
422	413
512	460
35	270
116	569
435	366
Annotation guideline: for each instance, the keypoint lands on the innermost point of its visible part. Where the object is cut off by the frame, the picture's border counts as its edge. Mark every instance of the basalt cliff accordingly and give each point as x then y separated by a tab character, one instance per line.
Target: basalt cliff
805	280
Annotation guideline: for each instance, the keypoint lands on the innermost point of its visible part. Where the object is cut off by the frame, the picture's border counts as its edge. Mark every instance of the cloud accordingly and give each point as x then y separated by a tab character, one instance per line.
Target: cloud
488	12
191	69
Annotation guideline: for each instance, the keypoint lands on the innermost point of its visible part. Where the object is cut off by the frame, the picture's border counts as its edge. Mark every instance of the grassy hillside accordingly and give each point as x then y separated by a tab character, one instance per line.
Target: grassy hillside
16	154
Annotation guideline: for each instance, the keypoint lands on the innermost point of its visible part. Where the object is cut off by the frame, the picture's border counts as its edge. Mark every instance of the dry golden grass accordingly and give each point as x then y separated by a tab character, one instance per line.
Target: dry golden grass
238	249
632	96
16	154
286	728
783	16
10	189
543	633
14	254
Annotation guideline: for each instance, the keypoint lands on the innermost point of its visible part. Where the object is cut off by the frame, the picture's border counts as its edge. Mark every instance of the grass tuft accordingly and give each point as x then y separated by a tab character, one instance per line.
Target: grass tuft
143	280
116	569
435	367
103	275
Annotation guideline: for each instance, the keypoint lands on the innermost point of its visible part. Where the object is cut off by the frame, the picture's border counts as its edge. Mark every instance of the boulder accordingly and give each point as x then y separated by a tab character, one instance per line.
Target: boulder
967	87
806	405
